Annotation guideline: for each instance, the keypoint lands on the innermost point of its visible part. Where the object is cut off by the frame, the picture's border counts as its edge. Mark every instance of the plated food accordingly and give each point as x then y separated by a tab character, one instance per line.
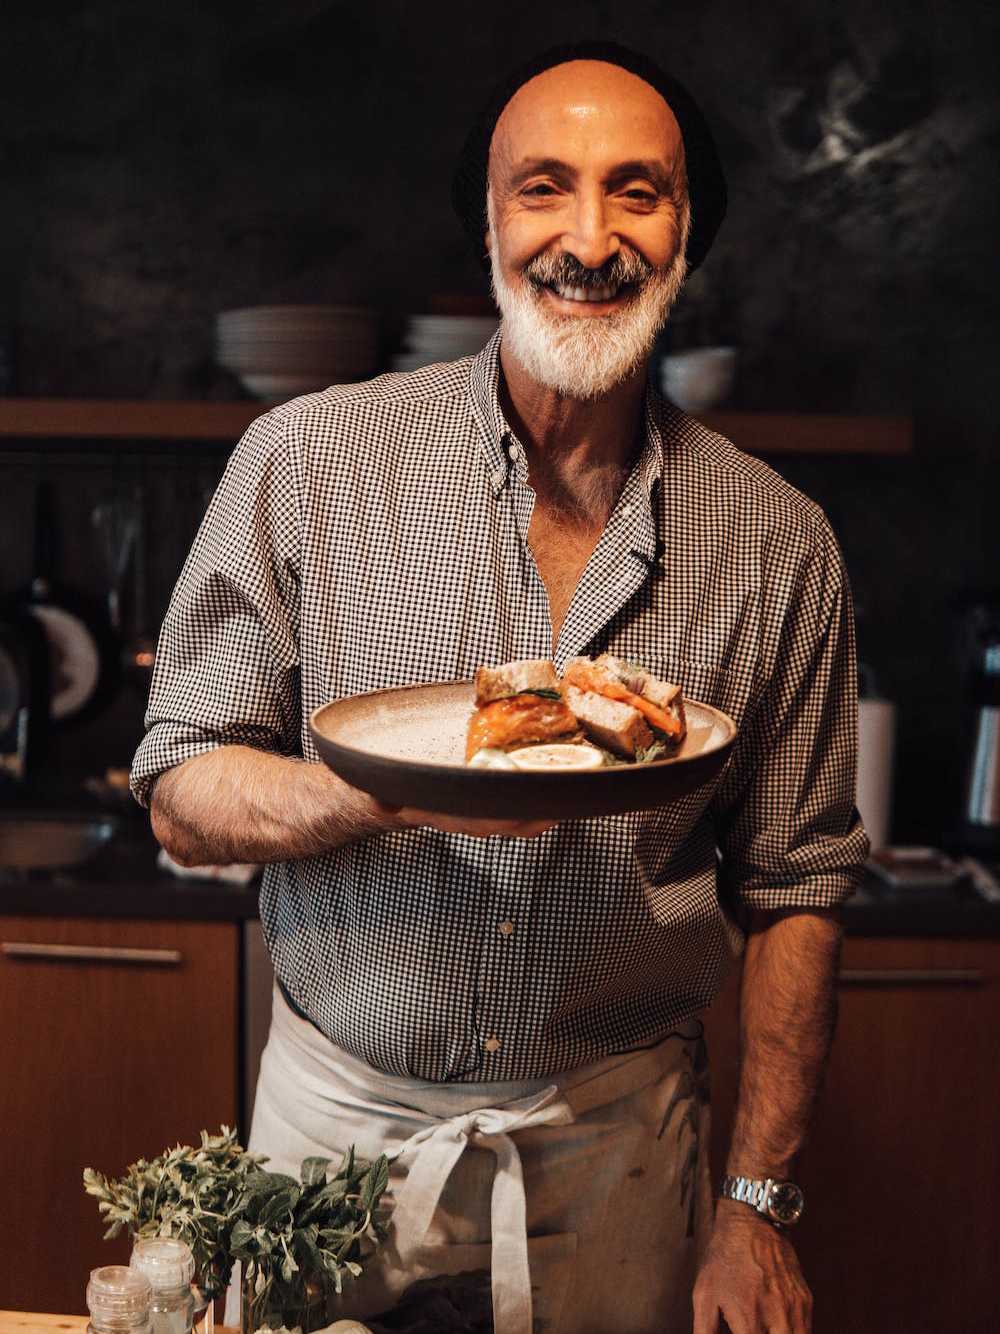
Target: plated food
603	711
406	745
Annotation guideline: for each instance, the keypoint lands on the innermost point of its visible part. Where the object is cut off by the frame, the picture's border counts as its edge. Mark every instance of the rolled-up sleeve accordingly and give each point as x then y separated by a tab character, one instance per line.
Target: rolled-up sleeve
227	662
788	829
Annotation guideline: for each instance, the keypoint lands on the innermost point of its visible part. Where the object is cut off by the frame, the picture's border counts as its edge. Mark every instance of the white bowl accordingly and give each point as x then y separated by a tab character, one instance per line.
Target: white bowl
274	388
700	378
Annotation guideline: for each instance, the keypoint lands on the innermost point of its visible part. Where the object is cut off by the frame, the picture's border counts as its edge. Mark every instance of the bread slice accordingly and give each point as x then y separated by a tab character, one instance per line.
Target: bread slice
513	678
615	726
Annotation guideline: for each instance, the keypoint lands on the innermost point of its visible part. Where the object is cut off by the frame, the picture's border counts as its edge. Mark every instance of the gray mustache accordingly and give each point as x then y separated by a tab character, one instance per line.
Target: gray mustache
623	268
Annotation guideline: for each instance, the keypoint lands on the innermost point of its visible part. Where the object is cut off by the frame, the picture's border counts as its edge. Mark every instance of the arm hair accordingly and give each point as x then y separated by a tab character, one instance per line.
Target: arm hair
788	1013
238	804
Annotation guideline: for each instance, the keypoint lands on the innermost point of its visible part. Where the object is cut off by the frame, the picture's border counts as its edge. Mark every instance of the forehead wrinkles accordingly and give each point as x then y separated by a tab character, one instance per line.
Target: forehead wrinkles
579	95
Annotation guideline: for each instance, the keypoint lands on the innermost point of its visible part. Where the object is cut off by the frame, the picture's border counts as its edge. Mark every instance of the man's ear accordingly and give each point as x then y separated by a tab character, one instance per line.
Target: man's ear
489	243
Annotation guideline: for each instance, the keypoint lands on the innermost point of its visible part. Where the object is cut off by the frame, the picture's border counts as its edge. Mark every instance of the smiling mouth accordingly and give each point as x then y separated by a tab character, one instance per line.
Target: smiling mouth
607	292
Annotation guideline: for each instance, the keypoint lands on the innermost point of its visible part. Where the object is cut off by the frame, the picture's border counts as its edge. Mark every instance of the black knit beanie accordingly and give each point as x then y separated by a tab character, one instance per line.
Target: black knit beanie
706	183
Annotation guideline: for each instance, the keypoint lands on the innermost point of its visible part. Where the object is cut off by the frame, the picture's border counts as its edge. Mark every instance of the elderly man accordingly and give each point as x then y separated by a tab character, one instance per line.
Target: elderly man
512	1008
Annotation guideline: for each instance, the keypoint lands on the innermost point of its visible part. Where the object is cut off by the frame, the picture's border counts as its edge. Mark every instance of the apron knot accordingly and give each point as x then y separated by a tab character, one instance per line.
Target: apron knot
436	1149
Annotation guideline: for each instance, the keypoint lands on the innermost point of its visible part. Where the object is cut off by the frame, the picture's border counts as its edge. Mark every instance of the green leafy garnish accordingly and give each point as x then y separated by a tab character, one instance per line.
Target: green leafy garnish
542	693
643	755
646	754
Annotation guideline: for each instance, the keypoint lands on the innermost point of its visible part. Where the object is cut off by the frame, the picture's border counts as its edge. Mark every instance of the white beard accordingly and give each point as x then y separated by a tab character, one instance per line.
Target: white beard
584	357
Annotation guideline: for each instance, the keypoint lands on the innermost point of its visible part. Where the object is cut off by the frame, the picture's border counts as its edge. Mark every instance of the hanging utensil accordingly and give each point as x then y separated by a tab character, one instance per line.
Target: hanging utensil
114	518
140	649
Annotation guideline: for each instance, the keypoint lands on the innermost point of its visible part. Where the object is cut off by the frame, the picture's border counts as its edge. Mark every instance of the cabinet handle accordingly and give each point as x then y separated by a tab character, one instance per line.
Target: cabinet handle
912	977
23	949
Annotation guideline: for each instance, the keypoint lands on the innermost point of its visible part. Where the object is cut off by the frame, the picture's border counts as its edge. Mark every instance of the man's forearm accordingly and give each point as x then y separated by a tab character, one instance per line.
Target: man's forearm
788	1010
237	804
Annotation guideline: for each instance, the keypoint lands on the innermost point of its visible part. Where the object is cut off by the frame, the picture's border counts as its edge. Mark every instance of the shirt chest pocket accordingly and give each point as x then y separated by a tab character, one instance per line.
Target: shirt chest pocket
708	683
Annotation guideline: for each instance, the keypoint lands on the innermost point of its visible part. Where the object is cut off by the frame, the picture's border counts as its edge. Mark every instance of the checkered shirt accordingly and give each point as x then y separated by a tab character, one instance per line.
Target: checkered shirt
375	535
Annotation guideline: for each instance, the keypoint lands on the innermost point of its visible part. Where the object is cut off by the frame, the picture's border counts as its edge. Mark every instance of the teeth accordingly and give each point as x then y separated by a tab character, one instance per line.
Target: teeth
585	293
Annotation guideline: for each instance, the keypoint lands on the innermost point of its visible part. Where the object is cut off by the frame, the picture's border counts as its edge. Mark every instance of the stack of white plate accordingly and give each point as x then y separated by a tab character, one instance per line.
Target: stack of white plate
280	351
431	338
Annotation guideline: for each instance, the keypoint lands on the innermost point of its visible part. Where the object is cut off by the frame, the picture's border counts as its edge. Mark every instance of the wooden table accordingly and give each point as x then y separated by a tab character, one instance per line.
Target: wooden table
26	1322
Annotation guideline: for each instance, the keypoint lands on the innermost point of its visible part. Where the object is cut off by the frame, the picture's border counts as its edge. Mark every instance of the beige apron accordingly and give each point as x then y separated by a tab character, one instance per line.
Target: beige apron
584	1197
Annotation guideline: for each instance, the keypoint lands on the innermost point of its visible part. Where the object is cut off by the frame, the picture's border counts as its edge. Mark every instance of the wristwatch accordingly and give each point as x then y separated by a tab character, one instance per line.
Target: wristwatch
780	1202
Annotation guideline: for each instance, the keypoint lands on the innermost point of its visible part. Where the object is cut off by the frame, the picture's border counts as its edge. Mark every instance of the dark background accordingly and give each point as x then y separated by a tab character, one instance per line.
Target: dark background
163	163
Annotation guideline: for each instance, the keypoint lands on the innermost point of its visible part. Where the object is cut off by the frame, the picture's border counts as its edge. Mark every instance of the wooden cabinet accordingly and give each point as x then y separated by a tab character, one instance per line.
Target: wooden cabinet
901	1230
117	1039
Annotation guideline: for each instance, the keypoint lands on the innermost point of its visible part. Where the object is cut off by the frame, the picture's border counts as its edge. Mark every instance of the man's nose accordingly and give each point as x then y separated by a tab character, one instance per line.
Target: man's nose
590	237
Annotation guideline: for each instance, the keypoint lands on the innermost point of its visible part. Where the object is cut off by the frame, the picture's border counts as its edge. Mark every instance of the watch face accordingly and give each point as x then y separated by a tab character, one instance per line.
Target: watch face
785	1202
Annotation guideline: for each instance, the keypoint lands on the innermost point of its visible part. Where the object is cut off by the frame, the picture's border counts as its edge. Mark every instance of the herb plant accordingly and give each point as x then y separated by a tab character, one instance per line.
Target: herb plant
285	1228
186	1192
219	1200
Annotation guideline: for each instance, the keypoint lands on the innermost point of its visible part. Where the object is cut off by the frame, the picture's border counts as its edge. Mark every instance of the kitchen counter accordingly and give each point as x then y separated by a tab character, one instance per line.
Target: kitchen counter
958	913
124	881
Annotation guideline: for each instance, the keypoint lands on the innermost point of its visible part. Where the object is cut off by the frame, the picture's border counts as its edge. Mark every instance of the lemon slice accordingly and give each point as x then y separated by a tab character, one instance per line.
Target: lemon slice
557	755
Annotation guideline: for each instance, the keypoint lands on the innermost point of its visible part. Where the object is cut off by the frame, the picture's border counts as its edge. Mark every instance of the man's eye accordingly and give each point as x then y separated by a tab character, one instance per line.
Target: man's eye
540	190
640	196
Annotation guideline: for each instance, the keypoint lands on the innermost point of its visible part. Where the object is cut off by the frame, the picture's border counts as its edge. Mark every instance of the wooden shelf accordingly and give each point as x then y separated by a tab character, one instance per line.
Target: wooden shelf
134	419
812	433
24	420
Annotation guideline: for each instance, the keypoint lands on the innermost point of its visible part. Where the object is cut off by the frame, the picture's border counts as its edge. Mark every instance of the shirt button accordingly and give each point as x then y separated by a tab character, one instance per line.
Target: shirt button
626	510
506	928
492	1044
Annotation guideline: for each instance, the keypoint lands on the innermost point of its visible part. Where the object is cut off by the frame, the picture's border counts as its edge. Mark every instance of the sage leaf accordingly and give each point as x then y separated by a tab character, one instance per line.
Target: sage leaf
314	1170
375	1182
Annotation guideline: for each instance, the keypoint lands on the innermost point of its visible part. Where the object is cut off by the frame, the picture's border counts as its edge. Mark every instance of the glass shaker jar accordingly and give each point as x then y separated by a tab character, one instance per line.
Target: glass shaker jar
168	1264
119	1299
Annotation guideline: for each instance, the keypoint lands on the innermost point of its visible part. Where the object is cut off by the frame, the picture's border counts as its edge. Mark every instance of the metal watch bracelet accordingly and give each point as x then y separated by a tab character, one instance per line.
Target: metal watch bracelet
780	1202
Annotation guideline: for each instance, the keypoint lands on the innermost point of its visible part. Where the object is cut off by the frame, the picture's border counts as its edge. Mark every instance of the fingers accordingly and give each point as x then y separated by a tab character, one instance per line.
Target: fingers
706	1315
460	824
475	828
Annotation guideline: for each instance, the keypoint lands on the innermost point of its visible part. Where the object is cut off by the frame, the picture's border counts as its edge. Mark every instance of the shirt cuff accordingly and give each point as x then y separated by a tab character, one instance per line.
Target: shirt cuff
826	889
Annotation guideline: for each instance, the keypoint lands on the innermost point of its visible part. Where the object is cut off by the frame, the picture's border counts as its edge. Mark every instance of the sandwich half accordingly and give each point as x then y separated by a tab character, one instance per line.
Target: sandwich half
519	704
648	712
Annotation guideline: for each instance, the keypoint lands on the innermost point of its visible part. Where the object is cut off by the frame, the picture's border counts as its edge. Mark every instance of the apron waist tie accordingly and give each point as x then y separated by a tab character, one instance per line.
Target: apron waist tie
436	1149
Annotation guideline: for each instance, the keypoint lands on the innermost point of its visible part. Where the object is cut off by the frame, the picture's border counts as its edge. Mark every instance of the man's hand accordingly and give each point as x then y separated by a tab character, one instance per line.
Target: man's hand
751	1277
460	824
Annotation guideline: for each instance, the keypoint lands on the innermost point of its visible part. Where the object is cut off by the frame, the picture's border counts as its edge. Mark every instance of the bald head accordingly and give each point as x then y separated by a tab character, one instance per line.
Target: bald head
587	107
581	74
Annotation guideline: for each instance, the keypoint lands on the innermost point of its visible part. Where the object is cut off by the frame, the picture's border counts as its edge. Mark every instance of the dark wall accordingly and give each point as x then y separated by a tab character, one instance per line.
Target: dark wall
161	163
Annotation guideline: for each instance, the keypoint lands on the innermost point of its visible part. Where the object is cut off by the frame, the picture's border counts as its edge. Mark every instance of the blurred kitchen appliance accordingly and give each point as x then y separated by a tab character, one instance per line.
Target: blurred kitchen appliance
23	693
876	749
81	670
14	713
982	804
258	987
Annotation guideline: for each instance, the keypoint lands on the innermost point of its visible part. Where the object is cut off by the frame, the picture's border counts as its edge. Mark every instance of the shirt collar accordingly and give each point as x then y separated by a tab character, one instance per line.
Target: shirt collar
495	435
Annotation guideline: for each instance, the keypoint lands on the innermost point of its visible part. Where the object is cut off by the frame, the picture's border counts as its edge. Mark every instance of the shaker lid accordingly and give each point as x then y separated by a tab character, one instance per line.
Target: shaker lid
166	1262
118	1297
